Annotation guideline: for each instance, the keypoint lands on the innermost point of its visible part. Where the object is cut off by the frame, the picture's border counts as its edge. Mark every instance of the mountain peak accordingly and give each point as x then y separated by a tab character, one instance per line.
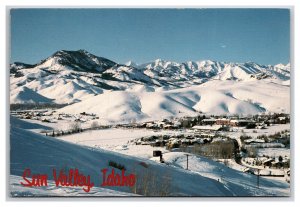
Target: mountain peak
82	51
78	60
63	53
159	61
131	64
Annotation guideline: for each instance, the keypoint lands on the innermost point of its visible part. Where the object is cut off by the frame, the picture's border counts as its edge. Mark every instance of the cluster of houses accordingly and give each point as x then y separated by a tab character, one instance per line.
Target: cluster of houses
276	163
32	114
250	122
276	118
268	162
51	116
174	140
227	122
191	122
217	123
214	123
162	124
179	140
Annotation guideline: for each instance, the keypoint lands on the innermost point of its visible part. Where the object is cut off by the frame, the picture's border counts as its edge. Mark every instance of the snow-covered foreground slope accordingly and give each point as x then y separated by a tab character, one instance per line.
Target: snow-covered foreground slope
237	182
17	190
41	154
213	97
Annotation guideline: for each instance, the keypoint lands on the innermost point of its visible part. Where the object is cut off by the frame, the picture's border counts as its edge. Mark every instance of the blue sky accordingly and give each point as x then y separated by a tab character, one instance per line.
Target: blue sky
143	35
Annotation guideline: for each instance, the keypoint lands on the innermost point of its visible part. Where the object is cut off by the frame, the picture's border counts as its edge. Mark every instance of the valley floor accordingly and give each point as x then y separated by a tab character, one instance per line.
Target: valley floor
92	150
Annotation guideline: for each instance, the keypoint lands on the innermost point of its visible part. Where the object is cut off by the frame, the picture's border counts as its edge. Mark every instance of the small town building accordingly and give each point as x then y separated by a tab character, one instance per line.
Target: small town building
223	121
209	121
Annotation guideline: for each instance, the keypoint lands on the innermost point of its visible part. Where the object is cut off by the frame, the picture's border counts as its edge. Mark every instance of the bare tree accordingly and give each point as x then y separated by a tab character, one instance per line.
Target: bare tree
252	152
150	183
75	127
94	125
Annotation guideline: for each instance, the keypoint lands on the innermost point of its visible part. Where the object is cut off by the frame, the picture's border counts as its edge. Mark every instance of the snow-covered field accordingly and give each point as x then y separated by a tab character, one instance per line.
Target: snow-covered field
117	139
237	132
274	152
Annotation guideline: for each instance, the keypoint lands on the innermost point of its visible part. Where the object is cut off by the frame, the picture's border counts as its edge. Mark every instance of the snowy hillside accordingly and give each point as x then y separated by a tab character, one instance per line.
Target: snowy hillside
17	190
72	76
213	97
232	179
26	95
41	154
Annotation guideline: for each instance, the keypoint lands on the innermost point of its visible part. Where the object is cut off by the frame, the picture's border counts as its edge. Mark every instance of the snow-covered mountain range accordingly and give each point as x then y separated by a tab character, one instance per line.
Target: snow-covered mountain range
69	77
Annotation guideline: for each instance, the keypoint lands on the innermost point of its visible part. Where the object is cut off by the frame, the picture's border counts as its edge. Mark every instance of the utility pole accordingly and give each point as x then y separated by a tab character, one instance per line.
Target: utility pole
258	177
187	161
